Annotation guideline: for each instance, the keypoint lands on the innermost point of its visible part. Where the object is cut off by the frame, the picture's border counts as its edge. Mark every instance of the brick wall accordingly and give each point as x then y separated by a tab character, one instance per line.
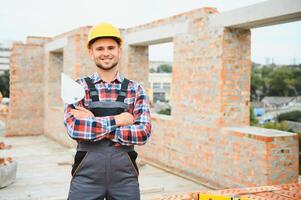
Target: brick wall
210	92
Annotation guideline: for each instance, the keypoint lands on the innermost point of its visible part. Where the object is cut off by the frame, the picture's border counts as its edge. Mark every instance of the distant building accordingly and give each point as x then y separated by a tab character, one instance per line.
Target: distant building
257	104
296	102
159	84
272	103
5	51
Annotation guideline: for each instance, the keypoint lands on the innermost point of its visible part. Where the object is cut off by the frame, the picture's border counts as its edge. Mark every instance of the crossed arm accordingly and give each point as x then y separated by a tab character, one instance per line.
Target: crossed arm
123	119
125	128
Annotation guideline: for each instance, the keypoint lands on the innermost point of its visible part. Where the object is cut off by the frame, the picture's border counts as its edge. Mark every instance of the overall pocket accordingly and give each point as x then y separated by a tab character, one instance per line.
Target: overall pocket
132	155
78	161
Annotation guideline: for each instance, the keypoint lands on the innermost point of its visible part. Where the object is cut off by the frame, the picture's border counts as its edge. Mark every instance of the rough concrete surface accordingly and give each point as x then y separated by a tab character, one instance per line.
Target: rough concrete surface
44	172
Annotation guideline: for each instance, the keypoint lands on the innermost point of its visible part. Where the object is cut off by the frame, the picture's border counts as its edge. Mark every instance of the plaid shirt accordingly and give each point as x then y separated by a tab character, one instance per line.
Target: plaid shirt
97	128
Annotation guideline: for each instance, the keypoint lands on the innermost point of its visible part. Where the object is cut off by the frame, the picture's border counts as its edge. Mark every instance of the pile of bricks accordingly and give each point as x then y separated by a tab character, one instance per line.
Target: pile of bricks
3	108
277	192
5	161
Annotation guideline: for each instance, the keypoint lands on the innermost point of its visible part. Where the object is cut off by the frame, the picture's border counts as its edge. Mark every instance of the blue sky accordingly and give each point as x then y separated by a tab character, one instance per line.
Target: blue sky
19	19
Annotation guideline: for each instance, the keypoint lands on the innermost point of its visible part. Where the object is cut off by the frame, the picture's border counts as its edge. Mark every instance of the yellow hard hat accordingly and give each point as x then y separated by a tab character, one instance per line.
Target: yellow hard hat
103	30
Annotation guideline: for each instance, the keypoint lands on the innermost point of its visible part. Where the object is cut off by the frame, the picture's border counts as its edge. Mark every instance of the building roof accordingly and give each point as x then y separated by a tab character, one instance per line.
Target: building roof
257	104
277	100
298	99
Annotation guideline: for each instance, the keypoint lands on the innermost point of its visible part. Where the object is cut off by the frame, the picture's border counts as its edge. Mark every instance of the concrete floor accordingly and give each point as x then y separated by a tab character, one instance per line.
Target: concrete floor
44	172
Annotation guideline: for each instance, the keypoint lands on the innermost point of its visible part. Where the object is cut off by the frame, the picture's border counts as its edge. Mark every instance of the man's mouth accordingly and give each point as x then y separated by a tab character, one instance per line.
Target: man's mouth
106	59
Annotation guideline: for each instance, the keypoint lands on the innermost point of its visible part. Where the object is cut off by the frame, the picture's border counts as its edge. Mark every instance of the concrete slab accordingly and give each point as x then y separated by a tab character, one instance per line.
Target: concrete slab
44	172
156	35
265	13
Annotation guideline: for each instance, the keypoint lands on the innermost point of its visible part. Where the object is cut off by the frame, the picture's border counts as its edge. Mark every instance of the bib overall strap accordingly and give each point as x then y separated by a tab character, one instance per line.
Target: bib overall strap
92	89
123	90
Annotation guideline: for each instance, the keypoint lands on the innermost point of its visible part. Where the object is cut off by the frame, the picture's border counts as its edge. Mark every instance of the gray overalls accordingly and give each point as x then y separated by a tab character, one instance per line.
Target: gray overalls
102	170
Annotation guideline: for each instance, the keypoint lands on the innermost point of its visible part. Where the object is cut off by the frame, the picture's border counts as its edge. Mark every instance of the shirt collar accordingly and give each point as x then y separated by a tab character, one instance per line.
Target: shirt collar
96	78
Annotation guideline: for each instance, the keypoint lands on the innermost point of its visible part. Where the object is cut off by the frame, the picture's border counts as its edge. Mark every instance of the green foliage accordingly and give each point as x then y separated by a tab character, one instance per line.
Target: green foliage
151	70
256	83
4	83
166	111
290	116
164	69
282	126
253	120
282	82
275	80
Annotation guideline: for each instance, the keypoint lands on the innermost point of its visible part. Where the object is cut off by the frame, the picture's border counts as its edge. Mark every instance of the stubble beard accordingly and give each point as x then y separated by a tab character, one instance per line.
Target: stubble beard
100	66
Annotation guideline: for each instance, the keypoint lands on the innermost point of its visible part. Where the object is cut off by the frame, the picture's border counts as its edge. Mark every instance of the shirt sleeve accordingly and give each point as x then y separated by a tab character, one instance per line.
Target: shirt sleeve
140	131
91	128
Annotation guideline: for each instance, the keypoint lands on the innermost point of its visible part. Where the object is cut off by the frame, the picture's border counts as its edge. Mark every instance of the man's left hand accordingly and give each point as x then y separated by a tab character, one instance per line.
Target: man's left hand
81	113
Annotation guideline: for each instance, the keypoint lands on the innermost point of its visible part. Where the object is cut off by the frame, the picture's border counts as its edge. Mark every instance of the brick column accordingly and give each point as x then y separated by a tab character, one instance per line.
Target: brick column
134	63
73	60
26	111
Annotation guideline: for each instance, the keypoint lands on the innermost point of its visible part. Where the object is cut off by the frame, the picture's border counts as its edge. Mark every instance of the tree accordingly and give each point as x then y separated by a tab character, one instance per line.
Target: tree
256	84
253	120
4	84
281	83
164	68
151	70
275	80
297	80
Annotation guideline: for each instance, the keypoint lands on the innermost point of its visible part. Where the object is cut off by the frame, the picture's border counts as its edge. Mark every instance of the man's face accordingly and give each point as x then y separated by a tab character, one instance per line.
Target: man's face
105	52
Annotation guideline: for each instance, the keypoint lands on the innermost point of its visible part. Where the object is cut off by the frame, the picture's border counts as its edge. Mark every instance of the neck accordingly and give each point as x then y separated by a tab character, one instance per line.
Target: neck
107	76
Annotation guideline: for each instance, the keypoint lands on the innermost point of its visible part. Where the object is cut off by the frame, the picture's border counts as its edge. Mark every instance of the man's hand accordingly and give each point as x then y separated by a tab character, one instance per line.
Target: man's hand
81	113
124	119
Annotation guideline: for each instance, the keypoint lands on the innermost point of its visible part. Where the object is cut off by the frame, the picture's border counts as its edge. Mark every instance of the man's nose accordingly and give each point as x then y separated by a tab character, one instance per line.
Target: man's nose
106	52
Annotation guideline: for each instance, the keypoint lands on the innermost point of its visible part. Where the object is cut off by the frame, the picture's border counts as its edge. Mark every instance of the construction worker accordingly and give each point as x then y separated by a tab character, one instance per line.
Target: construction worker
112	118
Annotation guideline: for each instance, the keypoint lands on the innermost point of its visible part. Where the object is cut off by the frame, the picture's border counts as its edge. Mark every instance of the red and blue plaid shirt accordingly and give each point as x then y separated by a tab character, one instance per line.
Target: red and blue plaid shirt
97	128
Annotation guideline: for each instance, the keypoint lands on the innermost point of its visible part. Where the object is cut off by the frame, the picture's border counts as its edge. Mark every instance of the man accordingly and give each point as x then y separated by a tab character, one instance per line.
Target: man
112	118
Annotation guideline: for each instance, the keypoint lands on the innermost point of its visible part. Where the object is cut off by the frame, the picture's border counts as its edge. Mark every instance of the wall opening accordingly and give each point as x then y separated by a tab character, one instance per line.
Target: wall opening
276	78
276	73
54	78
160	77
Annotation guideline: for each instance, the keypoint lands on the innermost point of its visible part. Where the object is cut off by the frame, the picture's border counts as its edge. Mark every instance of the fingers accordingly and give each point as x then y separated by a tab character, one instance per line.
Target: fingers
77	113
81	114
82	109
79	109
86	111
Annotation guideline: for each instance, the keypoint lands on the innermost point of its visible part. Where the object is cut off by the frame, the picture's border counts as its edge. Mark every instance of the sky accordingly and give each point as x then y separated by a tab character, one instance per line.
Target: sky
19	19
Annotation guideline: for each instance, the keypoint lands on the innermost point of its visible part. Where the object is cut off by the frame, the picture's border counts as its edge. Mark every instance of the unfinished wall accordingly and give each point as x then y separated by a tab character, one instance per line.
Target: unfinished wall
67	53
207	138
210	92
26	108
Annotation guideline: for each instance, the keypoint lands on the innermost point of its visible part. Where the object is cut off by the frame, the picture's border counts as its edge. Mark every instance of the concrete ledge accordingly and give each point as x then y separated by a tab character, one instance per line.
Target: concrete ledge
262	14
156	35
56	45
258	133
160	116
